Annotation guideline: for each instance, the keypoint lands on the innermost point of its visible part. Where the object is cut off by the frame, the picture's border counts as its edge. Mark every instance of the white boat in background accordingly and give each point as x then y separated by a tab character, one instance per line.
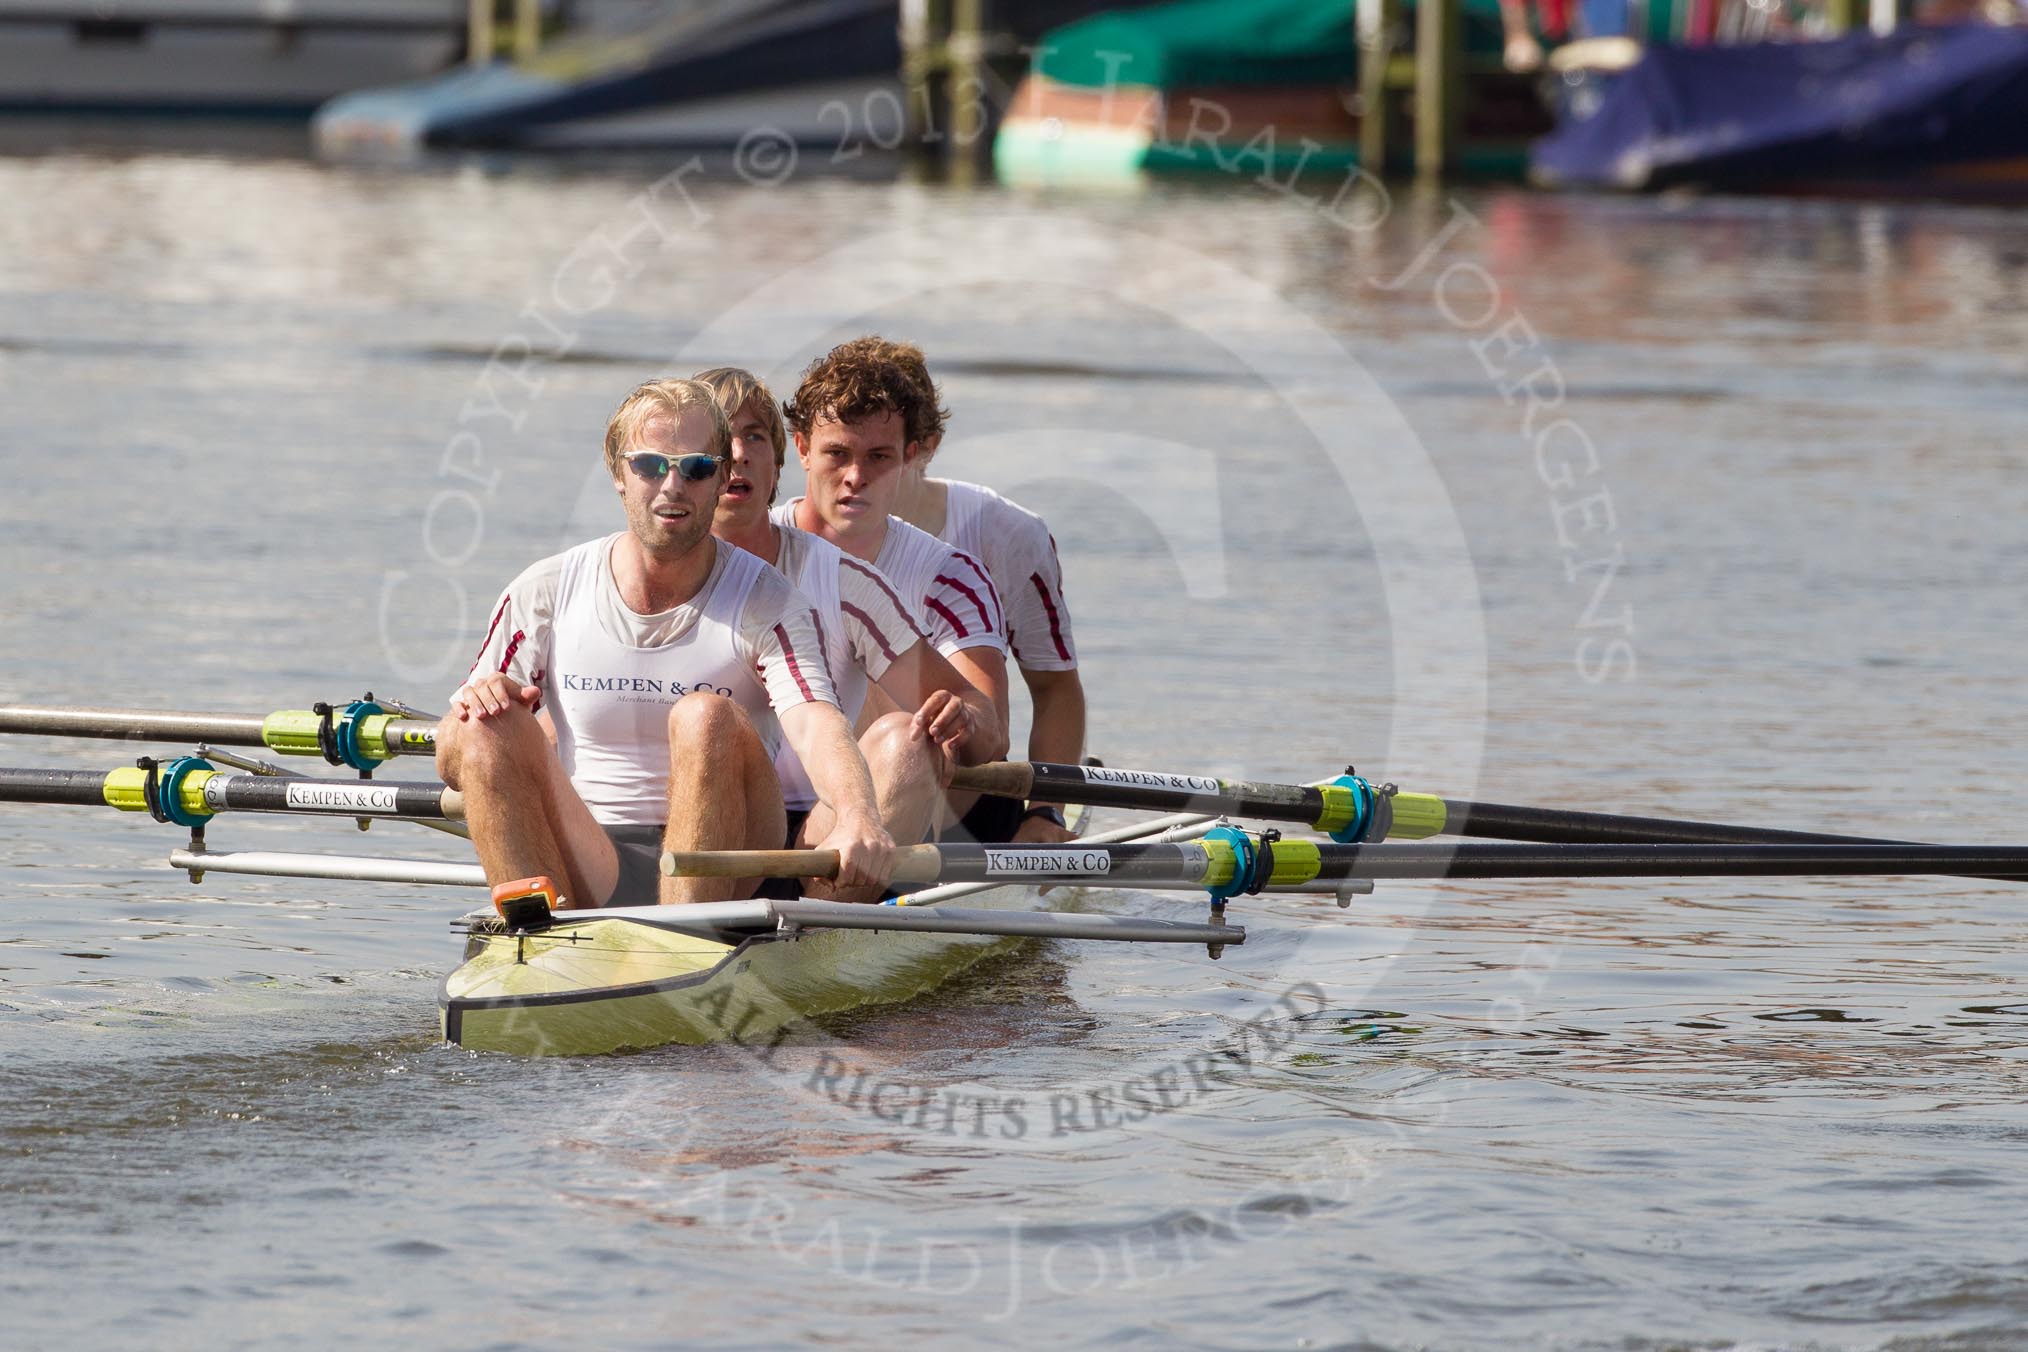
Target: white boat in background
762	80
267	58
702	74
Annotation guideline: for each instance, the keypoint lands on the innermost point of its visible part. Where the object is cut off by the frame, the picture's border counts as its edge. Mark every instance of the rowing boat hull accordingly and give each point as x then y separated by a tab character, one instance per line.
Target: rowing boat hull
608	983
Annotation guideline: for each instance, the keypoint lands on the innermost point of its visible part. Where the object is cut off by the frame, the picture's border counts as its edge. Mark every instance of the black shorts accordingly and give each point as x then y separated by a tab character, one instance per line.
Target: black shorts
993	820
640	851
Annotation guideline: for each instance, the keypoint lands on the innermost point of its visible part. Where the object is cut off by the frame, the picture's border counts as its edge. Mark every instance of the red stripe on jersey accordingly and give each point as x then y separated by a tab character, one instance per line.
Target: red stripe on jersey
985	616
1055	622
789	656
513	646
505	601
985	583
940	608
856	613
822	646
880	580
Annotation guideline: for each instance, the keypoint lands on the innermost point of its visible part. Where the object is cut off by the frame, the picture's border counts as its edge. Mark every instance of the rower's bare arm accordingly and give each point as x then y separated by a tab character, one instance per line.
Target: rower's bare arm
1055	734
954	713
823	741
985	670
491	695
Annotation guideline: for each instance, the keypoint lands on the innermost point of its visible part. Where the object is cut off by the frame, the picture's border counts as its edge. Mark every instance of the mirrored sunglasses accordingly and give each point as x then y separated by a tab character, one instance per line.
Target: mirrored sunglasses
654	466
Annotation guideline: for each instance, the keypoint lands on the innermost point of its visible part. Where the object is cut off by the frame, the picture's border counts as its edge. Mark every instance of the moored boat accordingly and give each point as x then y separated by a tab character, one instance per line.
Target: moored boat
1262	89
1923	111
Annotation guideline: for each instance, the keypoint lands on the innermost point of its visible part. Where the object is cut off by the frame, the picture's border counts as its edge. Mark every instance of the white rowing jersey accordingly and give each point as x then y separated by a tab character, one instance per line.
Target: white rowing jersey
1020	554
864	624
608	676
950	591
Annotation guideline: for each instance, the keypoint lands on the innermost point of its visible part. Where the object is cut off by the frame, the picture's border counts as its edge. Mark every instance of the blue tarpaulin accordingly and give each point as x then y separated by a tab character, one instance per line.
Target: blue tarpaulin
1854	107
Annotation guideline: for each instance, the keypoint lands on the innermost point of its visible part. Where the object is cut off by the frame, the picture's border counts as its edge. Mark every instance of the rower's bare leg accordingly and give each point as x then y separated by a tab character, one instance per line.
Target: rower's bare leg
592	859
955	805
524	816
939	816
723	794
908	777
876	706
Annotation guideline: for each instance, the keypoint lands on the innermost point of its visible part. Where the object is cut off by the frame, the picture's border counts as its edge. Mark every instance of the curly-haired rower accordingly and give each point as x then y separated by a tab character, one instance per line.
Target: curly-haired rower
859	418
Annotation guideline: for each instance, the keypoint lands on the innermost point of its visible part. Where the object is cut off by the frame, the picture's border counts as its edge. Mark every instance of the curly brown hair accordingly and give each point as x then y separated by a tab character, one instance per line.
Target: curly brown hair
866	378
910	359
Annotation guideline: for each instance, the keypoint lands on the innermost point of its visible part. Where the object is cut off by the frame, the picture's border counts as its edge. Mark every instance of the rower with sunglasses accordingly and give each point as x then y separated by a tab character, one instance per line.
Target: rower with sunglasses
934	717
669	665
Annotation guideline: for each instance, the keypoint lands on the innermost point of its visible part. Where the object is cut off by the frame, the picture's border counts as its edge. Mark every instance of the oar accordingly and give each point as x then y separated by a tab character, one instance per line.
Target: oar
359	734
1349	802
762	916
188	791
1230	861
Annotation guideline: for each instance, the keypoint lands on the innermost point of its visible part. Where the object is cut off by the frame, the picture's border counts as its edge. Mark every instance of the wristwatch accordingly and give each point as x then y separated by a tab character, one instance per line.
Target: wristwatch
1047	813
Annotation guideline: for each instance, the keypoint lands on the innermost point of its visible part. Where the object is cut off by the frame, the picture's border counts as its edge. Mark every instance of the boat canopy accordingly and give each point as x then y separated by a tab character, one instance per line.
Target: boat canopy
1209	43
1856	107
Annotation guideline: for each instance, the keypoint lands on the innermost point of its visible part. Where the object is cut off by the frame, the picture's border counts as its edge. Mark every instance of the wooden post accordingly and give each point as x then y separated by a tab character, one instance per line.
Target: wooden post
1439	75
527	28
1374	30
479	32
964	90
923	25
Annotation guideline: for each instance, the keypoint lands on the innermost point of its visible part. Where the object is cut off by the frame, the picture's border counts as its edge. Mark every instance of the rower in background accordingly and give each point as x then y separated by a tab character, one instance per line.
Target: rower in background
1018	550
858	418
869	634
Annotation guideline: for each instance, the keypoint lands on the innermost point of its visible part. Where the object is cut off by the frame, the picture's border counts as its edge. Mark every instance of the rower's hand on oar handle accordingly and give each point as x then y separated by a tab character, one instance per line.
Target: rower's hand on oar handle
864	850
491	695
910	864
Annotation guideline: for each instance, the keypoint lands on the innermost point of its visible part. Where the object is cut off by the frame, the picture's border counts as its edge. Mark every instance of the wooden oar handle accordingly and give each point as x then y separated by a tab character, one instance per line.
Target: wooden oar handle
1010	779
912	864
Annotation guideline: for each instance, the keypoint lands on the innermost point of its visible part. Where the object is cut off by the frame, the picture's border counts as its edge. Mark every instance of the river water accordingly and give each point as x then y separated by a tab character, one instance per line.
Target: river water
1697	507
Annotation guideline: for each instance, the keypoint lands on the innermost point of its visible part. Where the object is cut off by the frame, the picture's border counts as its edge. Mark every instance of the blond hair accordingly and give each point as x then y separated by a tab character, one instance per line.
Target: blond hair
656	398
737	387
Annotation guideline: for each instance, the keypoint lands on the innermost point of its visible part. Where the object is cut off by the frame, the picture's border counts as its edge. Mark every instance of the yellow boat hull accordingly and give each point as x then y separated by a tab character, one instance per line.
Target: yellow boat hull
598	984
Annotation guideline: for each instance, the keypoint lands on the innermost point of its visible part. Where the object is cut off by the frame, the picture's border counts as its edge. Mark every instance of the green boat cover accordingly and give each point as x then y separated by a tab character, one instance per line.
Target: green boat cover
1206	43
